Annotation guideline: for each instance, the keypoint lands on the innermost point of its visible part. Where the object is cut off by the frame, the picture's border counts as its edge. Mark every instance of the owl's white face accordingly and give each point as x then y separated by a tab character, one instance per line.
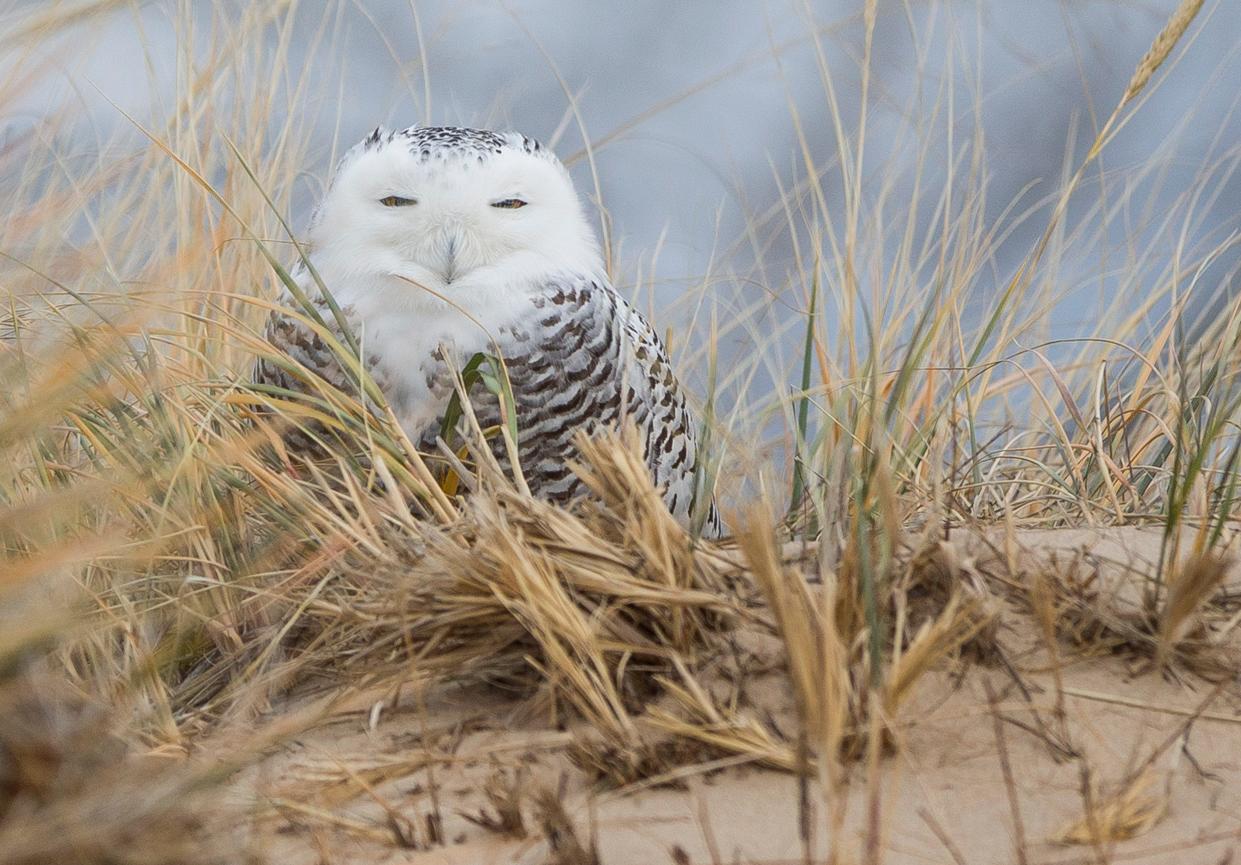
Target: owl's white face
454	212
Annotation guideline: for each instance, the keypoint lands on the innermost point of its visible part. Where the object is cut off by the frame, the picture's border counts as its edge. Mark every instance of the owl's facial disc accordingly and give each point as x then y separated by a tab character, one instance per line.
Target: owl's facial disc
455	220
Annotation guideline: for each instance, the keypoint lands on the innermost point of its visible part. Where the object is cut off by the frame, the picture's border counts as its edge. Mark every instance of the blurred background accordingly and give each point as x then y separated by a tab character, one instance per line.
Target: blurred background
707	116
689	101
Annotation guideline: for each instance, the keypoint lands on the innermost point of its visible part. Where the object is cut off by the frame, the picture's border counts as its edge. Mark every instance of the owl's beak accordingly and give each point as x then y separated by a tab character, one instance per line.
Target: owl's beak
449	256
450	259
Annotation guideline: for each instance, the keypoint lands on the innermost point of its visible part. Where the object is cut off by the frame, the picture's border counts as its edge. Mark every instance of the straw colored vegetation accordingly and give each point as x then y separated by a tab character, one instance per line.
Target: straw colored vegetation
214	650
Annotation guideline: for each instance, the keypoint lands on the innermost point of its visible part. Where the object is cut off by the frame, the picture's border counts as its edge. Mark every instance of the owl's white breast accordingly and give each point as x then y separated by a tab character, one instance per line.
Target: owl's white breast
401	325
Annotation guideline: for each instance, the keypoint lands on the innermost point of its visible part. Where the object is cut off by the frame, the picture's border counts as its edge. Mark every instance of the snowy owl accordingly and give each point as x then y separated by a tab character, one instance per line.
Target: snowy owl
440	243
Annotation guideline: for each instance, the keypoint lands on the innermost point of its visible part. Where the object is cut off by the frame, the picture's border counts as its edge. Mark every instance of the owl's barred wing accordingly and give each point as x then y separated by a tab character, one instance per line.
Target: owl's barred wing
673	451
583	359
580	359
306	355
299	342
564	361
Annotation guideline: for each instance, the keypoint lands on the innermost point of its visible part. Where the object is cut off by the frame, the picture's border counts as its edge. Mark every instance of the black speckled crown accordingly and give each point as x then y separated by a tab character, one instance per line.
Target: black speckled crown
455	146
454	143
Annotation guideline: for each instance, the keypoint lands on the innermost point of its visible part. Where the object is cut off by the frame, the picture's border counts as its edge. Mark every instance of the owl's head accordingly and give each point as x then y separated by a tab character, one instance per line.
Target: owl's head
449	209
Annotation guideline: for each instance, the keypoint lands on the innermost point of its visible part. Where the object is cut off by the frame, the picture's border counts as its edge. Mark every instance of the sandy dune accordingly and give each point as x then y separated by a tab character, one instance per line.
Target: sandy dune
939	797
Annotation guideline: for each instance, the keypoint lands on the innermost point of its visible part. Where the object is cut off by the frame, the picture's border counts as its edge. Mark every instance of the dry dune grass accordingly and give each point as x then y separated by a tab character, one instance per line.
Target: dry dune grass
183	603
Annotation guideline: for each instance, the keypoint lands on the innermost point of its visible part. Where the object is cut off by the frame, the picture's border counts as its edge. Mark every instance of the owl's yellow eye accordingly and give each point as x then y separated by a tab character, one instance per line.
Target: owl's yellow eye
397	201
509	203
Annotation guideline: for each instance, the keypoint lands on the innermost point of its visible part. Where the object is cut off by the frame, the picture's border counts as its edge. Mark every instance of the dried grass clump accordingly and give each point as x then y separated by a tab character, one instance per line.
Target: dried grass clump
505	792
1127	812
1175	626
1182	621
72	790
74	783
564	845
828	638
516	585
937	576
591	614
